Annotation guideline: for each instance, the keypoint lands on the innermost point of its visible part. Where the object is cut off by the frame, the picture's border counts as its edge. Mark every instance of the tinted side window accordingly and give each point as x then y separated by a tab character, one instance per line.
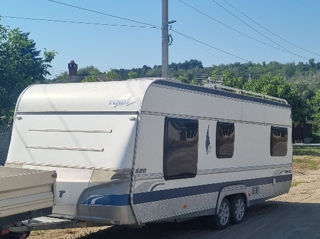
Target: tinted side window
279	141
180	153
225	140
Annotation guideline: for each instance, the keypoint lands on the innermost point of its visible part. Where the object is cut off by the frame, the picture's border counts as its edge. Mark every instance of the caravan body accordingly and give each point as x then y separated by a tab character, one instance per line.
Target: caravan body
147	150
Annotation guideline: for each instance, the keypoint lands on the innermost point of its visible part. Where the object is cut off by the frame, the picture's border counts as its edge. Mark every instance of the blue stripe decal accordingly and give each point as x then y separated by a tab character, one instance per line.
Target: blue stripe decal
220	93
114	200
201	189
145	197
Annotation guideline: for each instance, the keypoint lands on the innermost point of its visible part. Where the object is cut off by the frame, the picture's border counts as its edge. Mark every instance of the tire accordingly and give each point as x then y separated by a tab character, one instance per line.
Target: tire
16	235
238	209
222	218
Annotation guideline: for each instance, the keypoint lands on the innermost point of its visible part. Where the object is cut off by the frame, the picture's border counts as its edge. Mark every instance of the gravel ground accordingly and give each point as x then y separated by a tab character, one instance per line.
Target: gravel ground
293	215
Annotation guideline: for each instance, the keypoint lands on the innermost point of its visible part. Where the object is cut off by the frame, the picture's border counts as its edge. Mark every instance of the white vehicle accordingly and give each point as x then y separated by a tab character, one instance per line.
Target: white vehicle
24	194
150	150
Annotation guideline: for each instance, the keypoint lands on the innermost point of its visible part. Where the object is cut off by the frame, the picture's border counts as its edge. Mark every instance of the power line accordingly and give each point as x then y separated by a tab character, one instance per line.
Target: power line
105	14
147	24
230	27
268	30
257	31
207	44
78	22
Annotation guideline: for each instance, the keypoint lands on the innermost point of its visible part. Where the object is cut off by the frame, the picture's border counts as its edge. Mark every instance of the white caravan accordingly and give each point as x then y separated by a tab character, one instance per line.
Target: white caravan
149	150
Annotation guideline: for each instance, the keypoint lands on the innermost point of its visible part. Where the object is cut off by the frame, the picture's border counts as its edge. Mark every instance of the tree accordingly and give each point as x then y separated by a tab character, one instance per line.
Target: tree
20	66
111	75
93	76
62	77
277	87
306	93
183	79
314	102
86	71
229	80
132	75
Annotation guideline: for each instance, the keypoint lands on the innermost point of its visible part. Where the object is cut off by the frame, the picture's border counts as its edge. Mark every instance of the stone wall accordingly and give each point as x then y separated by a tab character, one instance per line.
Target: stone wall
5	134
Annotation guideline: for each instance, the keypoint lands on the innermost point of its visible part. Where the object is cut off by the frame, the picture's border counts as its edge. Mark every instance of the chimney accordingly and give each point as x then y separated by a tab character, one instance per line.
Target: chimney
73	68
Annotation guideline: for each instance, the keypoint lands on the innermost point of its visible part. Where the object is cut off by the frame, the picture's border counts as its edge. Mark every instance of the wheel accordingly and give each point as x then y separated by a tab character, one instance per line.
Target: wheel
16	235
238	209
222	218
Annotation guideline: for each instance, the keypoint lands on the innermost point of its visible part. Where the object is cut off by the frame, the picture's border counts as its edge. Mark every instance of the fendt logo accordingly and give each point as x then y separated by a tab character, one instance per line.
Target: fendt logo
117	103
122	101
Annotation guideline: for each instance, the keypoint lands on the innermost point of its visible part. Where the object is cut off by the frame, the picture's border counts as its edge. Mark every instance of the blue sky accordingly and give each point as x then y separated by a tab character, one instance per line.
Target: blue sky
123	47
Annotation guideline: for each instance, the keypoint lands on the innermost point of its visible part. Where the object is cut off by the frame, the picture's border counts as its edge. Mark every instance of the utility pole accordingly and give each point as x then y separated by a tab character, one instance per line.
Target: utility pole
165	39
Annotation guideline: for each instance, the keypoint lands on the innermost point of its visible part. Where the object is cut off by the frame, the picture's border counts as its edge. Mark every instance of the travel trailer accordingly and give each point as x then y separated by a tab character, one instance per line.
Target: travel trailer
24	194
150	150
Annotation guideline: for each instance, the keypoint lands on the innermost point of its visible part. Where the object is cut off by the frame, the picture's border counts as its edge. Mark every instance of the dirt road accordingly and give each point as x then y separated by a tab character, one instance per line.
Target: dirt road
295	215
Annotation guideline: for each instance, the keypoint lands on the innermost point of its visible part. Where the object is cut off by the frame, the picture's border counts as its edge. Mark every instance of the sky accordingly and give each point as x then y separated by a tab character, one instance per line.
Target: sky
114	47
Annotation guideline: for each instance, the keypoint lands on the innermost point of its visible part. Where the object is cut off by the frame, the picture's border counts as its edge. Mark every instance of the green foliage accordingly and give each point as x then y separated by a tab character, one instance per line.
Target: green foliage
132	75
306	158
111	75
314	103
93	76
63	77
236	82
306	151
183	79
48	57
274	86
188	69
20	66
86	71
306	162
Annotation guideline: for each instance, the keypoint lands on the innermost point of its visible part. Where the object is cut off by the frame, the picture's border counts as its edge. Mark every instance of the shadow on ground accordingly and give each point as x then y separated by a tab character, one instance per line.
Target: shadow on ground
267	220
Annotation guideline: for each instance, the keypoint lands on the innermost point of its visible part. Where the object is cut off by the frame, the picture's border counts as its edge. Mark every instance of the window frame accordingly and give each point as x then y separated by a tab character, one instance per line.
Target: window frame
218	145
272	128
165	152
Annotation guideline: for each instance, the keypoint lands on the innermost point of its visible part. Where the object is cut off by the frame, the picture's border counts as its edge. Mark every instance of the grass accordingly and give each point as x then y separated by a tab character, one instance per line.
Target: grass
296	183
316	137
306	158
306	162
306	151
37	233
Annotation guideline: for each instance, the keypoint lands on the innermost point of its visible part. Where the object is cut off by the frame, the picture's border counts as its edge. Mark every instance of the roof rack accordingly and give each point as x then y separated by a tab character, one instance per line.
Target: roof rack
244	92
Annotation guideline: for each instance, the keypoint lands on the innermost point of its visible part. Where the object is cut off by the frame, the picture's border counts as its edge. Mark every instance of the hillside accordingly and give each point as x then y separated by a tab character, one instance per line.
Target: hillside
298	83
297	73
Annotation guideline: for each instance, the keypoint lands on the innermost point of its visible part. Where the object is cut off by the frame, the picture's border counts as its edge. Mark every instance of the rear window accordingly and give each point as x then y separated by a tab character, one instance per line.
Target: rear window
180	154
225	140
279	141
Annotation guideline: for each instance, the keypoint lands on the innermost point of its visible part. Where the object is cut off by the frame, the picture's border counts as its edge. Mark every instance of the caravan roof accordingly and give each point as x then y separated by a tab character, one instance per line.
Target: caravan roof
84	97
108	96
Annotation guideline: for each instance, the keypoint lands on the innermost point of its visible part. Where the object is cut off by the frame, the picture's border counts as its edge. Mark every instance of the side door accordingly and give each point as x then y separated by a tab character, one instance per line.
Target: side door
167	192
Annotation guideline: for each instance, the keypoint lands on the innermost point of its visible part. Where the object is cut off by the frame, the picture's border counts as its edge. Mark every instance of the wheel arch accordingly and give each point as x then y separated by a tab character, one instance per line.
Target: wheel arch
231	191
